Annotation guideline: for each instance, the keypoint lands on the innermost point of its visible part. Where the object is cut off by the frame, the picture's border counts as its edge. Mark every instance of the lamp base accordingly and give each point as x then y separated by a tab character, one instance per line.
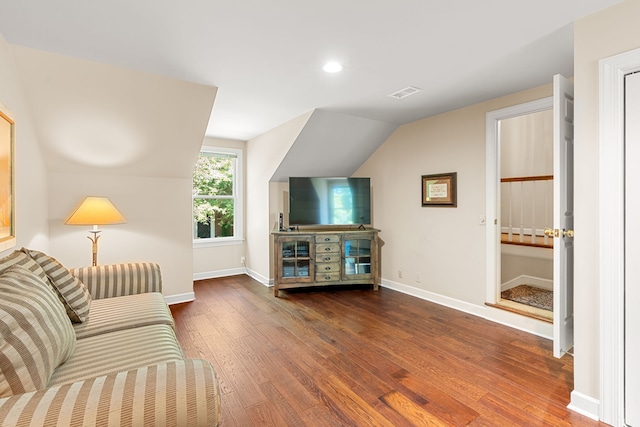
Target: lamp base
94	246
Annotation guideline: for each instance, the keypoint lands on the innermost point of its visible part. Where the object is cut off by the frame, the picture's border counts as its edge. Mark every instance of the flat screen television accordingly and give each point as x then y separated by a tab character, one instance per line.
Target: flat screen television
329	201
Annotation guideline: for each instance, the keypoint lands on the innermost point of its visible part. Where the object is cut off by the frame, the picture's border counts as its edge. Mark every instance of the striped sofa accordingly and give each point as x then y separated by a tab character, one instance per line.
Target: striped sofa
94	346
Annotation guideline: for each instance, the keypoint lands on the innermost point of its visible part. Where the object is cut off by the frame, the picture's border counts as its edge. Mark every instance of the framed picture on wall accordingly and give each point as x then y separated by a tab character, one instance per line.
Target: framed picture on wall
439	190
7	220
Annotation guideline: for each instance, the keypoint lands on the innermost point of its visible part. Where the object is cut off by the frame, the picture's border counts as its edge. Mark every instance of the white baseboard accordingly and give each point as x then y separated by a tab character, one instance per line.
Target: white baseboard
179	298
219	273
259	278
234	272
503	317
585	405
523	279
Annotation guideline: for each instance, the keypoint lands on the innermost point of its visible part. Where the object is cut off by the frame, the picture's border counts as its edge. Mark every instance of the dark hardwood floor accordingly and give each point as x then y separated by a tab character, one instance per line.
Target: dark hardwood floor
355	357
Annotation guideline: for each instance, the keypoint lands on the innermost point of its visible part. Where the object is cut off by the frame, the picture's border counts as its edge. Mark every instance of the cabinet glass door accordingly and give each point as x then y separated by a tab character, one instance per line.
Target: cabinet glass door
296	260
357	257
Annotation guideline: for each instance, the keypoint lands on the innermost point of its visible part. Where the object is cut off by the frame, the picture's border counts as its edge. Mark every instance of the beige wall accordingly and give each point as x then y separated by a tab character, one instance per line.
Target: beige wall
159	234
128	135
264	154
607	33
526	138
31	210
217	261
528	261
438	250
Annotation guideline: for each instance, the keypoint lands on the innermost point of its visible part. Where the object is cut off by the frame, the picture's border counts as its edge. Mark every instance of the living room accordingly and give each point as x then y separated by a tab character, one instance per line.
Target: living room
154	190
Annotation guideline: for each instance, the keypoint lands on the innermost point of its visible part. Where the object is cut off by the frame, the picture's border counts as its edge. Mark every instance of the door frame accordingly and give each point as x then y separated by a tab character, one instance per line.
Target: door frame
493	250
611	235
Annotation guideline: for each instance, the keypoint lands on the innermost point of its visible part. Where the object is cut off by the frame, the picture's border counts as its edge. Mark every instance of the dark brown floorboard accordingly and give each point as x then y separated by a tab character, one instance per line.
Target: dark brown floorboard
356	357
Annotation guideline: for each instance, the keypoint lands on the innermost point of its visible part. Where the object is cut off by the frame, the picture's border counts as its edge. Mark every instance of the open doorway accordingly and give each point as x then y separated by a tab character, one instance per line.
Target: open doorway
506	261
562	106
526	210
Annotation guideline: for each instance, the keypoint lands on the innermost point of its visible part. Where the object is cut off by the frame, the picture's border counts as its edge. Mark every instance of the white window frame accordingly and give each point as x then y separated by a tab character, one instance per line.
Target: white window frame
238	209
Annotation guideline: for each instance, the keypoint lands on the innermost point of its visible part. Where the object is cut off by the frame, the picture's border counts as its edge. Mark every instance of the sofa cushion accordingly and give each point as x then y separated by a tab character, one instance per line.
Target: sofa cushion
119	351
177	393
36	333
73	293
126	312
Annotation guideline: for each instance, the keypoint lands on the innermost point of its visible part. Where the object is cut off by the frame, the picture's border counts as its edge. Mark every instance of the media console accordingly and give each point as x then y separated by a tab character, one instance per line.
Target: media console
324	257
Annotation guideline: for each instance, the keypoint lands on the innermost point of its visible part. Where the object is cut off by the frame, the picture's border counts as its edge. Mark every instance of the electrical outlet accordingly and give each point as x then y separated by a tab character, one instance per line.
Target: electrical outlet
242	260
399	274
417	278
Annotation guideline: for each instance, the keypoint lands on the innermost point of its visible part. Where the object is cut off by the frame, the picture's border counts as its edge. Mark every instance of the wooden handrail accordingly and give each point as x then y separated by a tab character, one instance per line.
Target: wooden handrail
528	178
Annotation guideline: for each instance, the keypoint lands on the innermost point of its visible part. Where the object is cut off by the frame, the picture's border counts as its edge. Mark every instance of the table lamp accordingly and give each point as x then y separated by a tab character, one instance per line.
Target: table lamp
95	211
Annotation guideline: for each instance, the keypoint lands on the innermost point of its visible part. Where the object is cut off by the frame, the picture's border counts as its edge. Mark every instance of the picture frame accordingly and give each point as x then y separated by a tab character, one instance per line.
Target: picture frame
7	195
439	190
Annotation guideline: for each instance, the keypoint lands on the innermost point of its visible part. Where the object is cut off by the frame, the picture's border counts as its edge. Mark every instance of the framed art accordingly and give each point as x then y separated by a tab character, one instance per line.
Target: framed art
439	190
7	220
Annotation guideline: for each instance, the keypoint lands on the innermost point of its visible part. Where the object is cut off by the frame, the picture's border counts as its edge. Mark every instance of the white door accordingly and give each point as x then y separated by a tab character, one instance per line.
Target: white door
562	215
632	250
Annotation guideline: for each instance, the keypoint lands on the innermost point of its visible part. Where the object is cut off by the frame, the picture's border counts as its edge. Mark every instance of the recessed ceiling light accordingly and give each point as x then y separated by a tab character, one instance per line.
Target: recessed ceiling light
332	67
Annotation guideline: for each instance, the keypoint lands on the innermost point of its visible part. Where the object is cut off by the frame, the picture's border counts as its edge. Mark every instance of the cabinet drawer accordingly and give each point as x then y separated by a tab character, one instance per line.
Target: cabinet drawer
327	267
327	277
328	257
327	238
323	248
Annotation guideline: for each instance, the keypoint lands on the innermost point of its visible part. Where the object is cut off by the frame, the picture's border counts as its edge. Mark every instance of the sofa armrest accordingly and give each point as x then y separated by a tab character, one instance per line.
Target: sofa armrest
179	393
106	281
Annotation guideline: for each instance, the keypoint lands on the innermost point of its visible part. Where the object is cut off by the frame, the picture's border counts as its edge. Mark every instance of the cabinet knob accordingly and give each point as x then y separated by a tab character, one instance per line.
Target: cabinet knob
327	258
326	239
327	268
327	277
327	249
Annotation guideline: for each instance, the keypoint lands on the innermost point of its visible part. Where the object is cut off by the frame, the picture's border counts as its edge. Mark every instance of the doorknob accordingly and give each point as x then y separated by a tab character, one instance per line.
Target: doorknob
557	233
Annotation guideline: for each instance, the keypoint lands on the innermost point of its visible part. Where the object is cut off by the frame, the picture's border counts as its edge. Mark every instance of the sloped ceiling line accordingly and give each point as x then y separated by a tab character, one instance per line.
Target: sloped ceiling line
332	144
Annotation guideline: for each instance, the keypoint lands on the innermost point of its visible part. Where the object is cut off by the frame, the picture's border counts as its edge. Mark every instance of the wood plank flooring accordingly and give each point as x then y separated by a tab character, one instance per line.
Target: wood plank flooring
355	357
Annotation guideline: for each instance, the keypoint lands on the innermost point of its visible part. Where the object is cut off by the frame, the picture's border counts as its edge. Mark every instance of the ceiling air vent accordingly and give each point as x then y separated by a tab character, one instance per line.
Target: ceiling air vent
404	92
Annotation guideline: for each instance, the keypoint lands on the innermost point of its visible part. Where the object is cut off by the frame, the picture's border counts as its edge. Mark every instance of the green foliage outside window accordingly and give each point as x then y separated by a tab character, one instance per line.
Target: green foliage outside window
213	203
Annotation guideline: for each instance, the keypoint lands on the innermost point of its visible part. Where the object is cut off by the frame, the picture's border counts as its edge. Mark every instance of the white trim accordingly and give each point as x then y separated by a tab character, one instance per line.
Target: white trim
259	278
585	405
503	317
611	232
492	186
523	279
180	298
220	241
219	273
233	272
238	197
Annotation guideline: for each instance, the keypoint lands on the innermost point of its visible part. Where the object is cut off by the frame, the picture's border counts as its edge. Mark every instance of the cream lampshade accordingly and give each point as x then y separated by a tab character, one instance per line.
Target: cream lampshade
95	211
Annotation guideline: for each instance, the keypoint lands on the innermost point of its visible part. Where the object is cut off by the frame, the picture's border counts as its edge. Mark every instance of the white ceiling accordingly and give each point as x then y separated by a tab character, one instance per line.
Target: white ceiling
266	57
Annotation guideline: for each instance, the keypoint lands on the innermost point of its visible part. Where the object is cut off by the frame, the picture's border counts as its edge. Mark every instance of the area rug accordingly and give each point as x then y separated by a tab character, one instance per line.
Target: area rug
531	296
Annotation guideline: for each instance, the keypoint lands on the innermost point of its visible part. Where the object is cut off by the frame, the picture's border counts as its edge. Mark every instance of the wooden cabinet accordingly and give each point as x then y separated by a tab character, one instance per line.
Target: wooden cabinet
308	258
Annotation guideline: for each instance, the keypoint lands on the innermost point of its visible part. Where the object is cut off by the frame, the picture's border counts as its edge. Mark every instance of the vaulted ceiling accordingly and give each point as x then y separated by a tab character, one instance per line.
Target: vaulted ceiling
266	57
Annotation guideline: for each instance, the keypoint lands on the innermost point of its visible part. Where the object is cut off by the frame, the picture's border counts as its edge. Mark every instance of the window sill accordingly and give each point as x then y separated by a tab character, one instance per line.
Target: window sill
210	243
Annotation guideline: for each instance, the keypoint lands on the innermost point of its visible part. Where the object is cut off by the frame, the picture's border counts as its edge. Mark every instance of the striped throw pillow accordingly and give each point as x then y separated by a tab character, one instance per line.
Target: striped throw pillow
36	334
73	293
23	259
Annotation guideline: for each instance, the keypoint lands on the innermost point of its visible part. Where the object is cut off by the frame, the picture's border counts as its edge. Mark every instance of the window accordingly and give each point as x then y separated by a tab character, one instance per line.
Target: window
217	196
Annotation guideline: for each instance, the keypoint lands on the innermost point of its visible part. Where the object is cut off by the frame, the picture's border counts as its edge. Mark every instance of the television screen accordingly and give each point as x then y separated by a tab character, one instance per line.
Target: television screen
329	201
